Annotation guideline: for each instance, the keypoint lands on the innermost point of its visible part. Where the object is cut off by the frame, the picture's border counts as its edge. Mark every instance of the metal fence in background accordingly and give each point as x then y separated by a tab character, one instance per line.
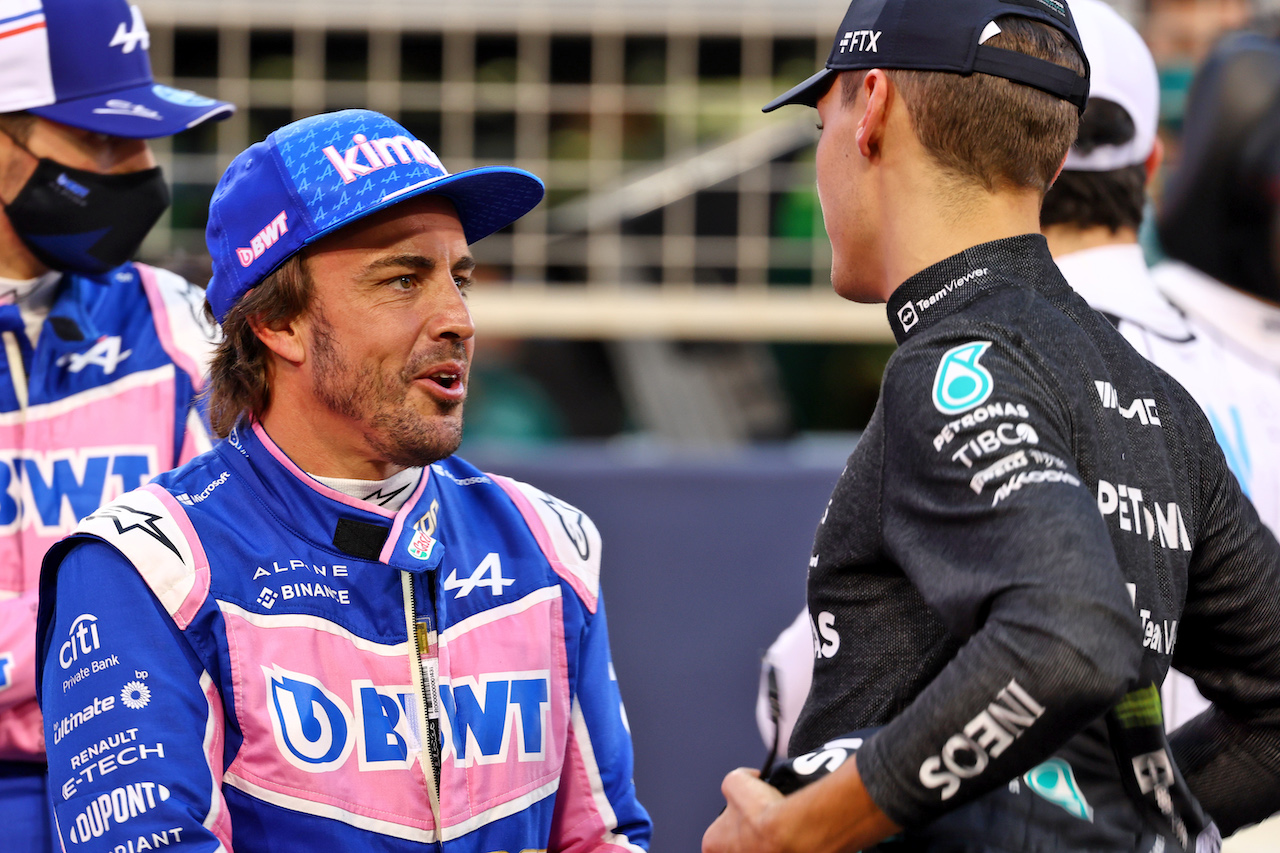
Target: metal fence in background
675	209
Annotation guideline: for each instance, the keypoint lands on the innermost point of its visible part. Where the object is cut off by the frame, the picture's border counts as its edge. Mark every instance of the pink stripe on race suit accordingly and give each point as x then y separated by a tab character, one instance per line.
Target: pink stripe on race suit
103	423
578	823
215	735
312	672
539	531
525	651
21	731
164	329
389	546
312	482
367	705
200	591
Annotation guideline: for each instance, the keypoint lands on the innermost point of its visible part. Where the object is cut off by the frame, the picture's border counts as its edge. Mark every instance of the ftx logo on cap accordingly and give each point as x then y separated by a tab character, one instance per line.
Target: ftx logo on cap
944	35
85	63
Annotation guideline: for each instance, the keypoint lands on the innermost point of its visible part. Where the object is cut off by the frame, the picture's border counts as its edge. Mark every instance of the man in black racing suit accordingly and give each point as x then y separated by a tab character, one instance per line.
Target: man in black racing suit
1036	523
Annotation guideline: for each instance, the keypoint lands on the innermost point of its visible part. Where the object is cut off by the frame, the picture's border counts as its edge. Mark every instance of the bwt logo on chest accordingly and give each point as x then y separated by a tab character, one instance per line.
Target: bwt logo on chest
382	153
486	719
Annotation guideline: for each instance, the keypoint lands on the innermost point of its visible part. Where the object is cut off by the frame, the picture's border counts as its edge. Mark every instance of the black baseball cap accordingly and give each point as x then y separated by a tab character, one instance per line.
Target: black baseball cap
944	35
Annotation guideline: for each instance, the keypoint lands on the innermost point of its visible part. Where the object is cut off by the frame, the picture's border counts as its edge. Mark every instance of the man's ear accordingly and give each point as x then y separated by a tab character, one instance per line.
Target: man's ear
1058	173
876	90
285	338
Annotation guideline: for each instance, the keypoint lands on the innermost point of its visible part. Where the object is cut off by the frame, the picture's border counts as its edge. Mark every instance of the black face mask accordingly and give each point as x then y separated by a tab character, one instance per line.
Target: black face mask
78	221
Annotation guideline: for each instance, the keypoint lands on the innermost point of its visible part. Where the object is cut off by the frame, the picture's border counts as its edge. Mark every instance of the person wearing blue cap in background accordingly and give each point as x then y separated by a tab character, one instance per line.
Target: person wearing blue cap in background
330	632
102	357
1037	522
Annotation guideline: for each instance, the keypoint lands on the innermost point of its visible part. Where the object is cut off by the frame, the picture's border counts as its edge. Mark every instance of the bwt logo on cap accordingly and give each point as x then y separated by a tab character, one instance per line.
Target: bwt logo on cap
264	239
378	155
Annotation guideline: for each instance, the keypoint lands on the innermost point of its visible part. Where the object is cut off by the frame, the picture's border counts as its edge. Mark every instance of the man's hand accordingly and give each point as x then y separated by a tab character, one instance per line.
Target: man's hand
833	815
744	826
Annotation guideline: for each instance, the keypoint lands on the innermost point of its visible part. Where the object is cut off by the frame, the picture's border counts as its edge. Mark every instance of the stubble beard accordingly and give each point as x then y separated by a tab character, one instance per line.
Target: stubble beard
394	429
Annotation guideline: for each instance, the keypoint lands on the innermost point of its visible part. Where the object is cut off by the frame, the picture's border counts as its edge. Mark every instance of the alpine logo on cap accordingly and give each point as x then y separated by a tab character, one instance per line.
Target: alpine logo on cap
128	40
380	154
264	239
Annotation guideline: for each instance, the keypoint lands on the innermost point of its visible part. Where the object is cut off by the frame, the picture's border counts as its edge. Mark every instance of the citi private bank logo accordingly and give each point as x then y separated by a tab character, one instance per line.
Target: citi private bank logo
382	153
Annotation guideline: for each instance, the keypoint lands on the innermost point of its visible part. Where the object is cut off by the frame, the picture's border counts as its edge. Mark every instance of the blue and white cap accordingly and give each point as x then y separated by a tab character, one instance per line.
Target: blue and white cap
314	176
85	63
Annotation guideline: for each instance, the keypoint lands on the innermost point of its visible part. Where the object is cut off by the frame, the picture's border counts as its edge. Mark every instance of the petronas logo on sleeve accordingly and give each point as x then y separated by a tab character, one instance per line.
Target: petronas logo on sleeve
962	383
1054	781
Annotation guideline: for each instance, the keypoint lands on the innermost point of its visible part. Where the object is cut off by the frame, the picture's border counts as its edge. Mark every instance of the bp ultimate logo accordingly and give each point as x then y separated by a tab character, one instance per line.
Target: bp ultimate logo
485	720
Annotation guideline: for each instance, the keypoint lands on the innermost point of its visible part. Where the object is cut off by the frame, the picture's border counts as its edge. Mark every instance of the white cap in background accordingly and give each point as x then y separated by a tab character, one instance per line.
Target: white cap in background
1122	72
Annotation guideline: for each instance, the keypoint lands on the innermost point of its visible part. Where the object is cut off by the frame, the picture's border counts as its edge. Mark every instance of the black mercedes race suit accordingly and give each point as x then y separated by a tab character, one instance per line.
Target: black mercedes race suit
1036	523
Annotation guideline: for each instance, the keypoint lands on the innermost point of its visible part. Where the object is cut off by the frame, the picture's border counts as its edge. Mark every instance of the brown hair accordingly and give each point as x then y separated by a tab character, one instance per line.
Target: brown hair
988	129
239	379
1112	199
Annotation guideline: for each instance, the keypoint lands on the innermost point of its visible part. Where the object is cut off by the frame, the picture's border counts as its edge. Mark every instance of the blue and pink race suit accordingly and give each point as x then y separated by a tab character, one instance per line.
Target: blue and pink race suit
236	657
102	403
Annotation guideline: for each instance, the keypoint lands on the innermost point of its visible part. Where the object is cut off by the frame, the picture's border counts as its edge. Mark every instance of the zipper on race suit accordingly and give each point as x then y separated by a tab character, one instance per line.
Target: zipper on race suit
424	666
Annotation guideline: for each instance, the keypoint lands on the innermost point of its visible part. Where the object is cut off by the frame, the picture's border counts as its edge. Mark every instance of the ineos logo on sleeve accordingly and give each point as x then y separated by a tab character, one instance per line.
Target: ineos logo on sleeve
961	383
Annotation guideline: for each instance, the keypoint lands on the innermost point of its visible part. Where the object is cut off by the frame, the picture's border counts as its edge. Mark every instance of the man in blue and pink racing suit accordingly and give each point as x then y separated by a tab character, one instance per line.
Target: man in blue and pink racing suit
101	358
328	633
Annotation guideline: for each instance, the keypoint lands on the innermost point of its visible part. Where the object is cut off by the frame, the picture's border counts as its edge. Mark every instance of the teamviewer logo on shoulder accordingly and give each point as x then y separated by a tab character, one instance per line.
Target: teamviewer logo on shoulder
907	316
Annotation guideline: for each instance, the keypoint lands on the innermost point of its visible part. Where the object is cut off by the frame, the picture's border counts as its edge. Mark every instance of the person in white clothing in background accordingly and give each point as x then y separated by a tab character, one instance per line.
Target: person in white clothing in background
1091	219
1219	217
